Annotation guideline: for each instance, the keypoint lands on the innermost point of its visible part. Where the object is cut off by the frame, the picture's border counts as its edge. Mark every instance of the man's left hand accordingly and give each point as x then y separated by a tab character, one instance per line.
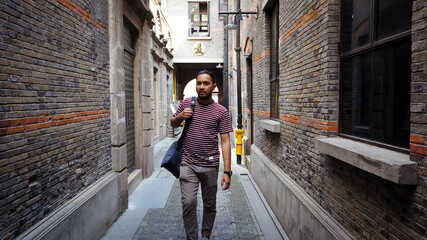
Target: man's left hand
225	181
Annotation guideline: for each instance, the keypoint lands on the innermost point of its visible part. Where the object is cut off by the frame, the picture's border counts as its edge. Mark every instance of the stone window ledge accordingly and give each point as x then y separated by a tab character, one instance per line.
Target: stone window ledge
199	38
270	125
388	164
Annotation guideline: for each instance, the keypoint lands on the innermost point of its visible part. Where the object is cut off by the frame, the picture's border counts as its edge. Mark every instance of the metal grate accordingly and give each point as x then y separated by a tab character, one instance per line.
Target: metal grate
129	94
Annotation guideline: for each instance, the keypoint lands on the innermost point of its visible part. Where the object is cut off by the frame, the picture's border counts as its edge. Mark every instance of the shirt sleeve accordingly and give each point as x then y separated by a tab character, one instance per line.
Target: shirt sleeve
225	125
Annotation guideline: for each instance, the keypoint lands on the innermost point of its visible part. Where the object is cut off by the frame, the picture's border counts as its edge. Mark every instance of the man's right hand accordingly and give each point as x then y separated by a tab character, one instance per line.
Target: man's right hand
187	113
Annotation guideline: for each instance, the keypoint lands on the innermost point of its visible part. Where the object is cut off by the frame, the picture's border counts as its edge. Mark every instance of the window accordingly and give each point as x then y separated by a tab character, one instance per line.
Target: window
274	60
376	70
198	13
222	6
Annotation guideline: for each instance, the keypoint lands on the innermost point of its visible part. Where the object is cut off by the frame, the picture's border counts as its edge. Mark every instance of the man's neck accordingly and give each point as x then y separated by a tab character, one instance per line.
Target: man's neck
204	101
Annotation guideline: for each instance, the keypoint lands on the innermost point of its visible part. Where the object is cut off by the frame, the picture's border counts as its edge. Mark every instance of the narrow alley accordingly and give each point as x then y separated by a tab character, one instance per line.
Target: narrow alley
323	104
155	210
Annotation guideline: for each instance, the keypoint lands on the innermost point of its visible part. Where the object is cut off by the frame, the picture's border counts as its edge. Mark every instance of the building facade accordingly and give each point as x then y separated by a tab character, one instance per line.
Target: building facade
198	41
77	113
163	70
334	112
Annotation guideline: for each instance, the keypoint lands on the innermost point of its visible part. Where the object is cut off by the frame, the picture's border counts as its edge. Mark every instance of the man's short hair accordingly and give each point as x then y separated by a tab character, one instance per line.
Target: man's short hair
209	73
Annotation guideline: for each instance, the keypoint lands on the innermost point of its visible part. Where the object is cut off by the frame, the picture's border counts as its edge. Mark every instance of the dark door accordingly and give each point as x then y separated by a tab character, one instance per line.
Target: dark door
129	56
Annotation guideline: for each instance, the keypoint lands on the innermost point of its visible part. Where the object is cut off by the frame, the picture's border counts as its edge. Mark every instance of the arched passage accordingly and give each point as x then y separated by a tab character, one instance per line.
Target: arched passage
186	72
190	90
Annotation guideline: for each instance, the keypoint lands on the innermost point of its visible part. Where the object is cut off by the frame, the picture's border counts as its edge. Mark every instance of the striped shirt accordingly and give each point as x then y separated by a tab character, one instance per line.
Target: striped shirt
200	146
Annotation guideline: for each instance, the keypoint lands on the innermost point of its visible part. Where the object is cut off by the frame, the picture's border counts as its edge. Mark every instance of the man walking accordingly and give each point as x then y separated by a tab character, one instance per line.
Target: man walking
200	154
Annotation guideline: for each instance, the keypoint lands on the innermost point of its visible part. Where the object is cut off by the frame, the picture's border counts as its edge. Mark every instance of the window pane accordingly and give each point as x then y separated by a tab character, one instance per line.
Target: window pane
127	35
391	94
393	17
194	13
274	95
356	82
203	9
223	6
355	25
274	62
199	19
376	94
274	36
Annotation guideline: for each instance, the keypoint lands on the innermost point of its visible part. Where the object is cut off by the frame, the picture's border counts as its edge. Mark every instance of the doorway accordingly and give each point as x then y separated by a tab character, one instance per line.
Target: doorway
129	58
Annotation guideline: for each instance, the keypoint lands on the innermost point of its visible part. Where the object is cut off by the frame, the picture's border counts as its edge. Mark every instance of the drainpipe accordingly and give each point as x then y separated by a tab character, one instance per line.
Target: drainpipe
239	132
225	90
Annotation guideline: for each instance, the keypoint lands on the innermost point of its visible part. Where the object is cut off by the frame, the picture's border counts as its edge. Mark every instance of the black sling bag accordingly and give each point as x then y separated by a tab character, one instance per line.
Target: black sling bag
172	159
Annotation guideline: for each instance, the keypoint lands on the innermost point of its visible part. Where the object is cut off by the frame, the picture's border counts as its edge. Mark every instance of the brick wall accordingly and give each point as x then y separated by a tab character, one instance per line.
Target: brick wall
368	206
54	106
418	140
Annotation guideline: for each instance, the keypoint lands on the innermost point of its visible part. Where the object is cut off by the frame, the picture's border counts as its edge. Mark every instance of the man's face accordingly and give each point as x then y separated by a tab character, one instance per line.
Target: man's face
204	86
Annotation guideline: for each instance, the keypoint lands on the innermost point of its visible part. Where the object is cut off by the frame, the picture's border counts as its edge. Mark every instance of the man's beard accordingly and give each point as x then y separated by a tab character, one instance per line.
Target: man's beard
206	97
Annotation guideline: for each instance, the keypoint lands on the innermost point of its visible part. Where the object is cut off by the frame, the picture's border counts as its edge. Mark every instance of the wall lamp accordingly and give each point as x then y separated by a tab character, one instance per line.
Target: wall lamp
237	15
232	25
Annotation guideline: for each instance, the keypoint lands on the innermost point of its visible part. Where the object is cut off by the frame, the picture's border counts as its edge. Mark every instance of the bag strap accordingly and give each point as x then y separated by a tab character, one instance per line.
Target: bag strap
187	123
193	103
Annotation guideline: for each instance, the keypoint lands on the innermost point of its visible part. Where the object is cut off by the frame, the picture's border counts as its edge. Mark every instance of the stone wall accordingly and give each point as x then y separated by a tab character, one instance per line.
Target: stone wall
163	77
55	106
369	207
177	15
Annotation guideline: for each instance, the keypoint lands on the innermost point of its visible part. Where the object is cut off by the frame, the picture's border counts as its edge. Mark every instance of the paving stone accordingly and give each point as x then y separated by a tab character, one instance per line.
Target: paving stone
235	217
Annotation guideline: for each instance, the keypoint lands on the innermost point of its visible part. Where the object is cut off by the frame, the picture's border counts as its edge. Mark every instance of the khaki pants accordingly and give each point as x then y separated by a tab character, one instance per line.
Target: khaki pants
190	176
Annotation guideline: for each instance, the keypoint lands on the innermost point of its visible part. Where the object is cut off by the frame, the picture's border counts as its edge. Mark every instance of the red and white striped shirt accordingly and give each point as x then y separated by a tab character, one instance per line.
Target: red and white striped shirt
200	145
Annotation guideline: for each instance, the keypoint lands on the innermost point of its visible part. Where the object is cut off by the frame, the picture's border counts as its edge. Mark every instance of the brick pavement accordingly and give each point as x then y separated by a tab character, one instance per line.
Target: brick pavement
236	218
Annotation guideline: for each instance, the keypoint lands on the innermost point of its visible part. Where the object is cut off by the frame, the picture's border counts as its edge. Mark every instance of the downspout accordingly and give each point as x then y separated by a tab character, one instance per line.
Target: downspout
239	132
225	69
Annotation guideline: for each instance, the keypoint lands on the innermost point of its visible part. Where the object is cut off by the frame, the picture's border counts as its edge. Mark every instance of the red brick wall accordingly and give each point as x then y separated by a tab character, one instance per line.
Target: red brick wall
368	206
54	106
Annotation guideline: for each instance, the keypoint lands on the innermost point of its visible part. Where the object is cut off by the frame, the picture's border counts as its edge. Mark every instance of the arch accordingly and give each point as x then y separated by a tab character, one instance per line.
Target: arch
248	47
187	72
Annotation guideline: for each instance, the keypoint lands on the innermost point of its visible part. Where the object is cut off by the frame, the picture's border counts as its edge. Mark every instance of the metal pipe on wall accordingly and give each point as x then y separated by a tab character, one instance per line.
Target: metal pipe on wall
239	79
225	68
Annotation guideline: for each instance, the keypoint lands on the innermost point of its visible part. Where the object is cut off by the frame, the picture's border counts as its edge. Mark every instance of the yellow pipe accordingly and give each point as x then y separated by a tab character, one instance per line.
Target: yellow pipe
239	135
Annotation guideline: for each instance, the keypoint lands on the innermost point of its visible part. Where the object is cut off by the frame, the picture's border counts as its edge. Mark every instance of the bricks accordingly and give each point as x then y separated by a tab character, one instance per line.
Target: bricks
54	110
309	107
418	139
418	85
418	149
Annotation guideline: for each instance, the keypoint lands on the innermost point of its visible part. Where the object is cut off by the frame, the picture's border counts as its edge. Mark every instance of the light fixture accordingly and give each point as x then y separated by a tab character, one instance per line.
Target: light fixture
219	65
238	14
232	25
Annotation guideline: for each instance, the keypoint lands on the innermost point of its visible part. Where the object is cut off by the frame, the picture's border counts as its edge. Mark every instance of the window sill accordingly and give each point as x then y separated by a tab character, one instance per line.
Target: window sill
388	164
199	38
270	125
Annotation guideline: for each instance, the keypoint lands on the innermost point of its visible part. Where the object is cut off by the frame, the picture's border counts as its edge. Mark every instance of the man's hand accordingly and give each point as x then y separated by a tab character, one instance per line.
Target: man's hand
186	113
225	181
